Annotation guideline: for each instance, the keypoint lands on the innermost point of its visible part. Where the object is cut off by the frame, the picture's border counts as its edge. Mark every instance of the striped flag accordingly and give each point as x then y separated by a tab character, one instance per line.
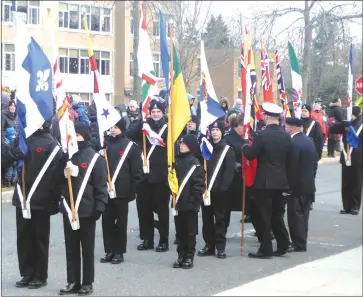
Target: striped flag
281	87
107	115
265	76
349	99
146	65
256	112
296	81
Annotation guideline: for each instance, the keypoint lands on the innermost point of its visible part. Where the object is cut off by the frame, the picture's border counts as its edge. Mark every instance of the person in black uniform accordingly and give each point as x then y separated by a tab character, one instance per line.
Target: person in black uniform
120	152
91	204
155	192
215	215
302	184
188	202
313	130
273	149
33	233
352	176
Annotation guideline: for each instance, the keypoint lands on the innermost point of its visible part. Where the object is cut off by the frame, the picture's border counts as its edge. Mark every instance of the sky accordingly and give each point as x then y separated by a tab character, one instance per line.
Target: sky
232	9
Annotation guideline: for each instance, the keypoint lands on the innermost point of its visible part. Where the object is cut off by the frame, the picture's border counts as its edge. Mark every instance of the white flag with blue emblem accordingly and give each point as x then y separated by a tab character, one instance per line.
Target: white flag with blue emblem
34	97
210	108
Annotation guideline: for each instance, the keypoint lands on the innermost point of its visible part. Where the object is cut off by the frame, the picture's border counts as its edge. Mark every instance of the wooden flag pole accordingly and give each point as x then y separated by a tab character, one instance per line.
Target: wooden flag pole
71	193
23	184
110	186
144	149
171	69
206	180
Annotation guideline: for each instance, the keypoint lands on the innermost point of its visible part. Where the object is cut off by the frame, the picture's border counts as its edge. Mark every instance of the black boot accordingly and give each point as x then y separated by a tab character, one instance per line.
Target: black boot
179	262
37	283
117	259
221	254
85	290
145	245
69	289
188	263
24	282
207	251
107	258
162	247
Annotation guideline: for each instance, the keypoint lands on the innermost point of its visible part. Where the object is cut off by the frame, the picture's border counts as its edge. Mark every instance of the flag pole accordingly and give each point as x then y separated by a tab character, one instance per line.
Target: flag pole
171	69
110	186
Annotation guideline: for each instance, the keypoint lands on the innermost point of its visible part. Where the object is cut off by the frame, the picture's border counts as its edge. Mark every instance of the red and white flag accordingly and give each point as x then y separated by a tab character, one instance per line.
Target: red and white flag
153	137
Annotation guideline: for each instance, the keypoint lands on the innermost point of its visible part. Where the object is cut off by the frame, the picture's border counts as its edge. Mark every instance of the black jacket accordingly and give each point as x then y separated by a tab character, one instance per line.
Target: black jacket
226	172
315	134
273	149
357	154
95	195
302	181
235	191
131	172
95	137
40	146
194	189
158	160
335	112
8	120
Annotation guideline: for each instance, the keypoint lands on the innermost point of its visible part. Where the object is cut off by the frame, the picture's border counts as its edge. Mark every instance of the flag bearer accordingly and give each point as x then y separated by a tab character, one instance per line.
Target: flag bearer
33	231
352	161
155	193
89	187
220	174
273	149
125	165
191	189
302	184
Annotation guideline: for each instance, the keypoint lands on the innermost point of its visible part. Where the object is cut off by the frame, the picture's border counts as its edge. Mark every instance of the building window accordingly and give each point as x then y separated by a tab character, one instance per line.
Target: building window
84	62
239	93
86	98
132	18
105	63
8	51
156	26
71	16
156	61
73	61
31	8
131	64
63	60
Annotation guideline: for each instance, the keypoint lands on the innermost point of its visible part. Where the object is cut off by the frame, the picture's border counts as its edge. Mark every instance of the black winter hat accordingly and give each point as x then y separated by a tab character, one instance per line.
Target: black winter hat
83	129
191	142
307	107
194	119
356	111
11	102
121	124
218	124
155	104
296	122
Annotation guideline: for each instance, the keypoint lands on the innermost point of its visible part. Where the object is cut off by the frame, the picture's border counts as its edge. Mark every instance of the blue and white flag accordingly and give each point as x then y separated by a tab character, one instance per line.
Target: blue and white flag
34	96
206	149
211	110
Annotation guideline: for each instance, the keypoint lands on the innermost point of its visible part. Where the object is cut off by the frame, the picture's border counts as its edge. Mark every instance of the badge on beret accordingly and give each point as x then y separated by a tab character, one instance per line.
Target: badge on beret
155	106
215	125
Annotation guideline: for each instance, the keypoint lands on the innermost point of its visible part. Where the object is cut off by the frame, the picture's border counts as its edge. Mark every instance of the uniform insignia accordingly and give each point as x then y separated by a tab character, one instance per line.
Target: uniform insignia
39	150
121	153
155	106
84	165
215	125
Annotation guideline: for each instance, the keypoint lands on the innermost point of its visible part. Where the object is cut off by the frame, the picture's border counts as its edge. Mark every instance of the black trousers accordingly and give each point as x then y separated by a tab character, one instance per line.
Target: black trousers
270	208
352	181
254	217
186	232
77	240
215	219
32	239
298	209
155	197
114	226
332	143
141	206
312	197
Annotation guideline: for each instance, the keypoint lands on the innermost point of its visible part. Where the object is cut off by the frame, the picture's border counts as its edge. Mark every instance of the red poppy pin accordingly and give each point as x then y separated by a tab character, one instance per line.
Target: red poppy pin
39	150
121	153
84	165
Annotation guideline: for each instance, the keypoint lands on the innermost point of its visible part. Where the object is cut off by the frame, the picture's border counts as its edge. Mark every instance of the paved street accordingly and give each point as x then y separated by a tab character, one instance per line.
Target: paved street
150	273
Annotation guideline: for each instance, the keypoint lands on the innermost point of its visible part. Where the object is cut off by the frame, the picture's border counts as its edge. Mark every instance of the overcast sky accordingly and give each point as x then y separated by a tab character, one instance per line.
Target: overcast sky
247	8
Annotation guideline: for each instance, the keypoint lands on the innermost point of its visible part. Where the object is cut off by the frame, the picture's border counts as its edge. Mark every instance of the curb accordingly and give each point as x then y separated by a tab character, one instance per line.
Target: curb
329	160
6	196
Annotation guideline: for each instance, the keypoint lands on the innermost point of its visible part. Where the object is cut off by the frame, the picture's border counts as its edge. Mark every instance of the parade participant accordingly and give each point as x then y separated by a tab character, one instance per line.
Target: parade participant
124	161
317	115
272	147
313	130
155	192
33	228
89	187
191	189
302	184
220	173
352	170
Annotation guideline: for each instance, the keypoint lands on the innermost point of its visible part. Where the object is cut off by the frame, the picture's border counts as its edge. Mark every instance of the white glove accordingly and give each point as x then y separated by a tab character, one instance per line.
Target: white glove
102	152
74	169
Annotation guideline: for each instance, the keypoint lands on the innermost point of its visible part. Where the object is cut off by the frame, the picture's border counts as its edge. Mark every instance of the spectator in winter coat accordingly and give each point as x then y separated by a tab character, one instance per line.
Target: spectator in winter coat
317	116
79	109
9	118
335	116
10	174
225	106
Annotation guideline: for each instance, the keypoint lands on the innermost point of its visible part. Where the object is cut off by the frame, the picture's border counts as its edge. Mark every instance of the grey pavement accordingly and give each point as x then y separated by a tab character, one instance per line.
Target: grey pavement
149	273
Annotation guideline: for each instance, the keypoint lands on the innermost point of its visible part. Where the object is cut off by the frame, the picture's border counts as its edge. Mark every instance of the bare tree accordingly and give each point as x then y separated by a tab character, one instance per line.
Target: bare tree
312	15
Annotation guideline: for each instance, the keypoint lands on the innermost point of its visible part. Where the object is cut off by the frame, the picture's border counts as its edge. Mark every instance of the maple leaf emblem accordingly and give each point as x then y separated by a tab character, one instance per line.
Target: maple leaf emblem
43	80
